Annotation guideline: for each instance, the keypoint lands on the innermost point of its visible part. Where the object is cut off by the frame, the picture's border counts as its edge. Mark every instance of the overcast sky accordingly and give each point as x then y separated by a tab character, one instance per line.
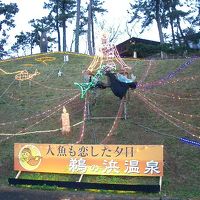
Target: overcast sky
117	15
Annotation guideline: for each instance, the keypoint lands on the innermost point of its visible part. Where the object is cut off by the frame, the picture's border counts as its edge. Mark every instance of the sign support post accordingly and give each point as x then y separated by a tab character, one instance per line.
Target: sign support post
18	174
160	183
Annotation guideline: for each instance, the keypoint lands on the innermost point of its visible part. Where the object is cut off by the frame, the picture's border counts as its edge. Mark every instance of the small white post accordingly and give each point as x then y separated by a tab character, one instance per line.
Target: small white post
134	54
66	58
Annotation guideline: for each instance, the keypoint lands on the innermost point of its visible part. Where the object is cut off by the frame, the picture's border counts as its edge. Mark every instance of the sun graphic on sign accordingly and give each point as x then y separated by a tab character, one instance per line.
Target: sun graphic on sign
30	157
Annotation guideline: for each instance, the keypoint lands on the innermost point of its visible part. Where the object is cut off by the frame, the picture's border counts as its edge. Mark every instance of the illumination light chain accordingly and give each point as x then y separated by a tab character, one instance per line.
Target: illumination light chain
155	104
169	76
115	123
185	140
82	131
173	96
177	112
34	116
145	74
166	116
36	123
62	89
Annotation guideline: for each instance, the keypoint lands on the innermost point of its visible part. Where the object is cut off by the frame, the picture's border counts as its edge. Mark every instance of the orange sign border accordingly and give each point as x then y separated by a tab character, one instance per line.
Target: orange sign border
118	160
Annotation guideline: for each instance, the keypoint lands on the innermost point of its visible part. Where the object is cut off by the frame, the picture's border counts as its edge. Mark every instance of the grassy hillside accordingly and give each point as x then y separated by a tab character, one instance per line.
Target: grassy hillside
160	114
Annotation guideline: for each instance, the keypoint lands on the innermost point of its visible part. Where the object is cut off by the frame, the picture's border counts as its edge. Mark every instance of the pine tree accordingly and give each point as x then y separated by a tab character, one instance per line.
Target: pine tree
147	11
94	6
61	11
77	31
7	13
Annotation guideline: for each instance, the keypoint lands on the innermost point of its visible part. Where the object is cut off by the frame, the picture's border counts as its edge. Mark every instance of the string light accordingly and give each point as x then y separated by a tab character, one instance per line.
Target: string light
36	123
4	92
145	74
179	69
27	65
168	117
36	55
107	54
145	86
173	96
102	64
177	112
194	143
45	59
33	132
154	103
82	131
38	100
184	79
10	72
98	61
61	89
187	115
169	76
25	75
115	123
34	116
179	98
185	140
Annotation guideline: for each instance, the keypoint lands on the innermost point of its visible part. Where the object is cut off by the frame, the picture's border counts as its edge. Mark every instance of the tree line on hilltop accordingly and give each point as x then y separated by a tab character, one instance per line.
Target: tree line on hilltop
178	23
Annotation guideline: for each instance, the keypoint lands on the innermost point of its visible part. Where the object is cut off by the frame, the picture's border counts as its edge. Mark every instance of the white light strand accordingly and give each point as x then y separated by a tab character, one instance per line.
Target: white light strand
61	89
33	132
115	123
7	88
36	123
39	100
146	73
33	116
82	132
155	104
165	115
177	112
173	96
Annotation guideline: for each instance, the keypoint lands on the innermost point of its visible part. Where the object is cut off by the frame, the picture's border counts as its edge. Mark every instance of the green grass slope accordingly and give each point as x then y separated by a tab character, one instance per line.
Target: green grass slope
160	115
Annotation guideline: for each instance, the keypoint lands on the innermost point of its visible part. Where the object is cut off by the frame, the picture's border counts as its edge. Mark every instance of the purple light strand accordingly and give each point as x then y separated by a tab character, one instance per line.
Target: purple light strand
169	76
